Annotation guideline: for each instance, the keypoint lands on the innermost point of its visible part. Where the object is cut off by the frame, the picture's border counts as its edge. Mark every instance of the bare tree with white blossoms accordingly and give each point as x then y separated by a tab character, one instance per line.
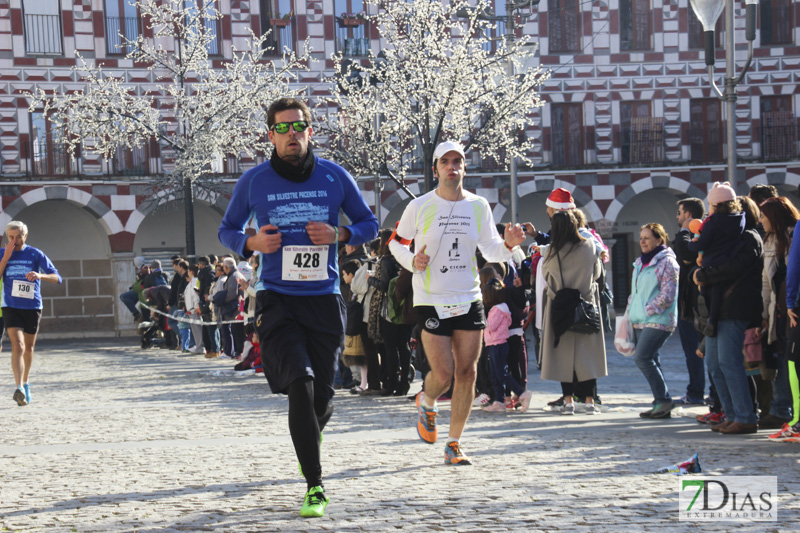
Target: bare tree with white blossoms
198	113
438	76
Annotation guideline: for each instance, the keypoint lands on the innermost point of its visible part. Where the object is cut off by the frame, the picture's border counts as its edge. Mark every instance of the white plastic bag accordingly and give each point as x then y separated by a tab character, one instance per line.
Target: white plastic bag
623	338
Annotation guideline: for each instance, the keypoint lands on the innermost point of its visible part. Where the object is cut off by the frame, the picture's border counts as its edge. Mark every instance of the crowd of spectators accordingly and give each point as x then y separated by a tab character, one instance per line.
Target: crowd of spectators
202	309
729	286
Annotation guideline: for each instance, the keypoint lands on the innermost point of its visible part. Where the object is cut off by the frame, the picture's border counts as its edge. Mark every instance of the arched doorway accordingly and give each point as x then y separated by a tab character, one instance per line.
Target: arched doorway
393	217
654	205
531	208
163	231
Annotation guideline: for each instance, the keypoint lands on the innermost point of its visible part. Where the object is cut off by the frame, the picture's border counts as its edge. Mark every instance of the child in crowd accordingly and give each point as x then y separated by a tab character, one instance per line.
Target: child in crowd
720	240
495	337
354	356
251	353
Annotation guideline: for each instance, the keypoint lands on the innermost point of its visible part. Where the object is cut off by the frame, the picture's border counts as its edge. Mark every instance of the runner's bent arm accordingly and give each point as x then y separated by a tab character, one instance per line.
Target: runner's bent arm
7	251
364	226
491	244
231	230
50	278
47	270
406	232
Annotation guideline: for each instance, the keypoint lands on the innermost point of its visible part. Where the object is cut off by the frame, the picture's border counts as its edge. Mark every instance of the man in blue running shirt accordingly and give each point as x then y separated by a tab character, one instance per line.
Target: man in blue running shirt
23	267
295	199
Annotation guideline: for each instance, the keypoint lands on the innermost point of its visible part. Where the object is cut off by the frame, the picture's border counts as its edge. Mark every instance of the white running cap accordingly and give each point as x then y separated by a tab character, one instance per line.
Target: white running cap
448	146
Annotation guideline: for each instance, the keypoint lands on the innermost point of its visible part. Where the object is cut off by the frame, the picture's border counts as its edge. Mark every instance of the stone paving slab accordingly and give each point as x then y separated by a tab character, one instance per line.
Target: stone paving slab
123	439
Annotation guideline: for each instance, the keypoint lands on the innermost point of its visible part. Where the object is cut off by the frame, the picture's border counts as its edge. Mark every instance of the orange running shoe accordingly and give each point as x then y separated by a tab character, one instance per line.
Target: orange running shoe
426	422
454	456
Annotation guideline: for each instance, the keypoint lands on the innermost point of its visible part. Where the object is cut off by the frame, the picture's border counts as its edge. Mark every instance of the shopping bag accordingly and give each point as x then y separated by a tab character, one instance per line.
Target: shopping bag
624	340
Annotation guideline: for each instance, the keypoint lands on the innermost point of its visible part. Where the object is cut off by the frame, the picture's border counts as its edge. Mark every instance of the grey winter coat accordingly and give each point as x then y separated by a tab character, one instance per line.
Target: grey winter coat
578	352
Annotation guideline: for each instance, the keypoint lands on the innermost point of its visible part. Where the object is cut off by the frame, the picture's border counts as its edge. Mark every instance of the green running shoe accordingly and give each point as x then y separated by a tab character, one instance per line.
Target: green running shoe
314	503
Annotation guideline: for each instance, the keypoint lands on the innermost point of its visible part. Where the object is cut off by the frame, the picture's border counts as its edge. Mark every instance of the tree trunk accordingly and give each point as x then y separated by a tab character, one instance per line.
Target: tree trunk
427	166
188	202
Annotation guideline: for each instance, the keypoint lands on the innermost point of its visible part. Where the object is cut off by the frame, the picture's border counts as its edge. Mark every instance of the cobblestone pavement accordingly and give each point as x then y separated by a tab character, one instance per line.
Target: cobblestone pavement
123	439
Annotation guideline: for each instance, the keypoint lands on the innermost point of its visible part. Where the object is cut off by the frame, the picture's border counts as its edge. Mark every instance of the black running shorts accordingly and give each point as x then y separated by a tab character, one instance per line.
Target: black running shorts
300	336
25	319
429	320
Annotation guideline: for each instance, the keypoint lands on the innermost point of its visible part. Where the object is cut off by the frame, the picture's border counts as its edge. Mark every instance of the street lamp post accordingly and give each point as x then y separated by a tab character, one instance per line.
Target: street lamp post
708	11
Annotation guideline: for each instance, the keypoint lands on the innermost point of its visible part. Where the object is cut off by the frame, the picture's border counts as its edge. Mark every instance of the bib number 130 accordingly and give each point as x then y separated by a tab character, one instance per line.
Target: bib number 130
305	263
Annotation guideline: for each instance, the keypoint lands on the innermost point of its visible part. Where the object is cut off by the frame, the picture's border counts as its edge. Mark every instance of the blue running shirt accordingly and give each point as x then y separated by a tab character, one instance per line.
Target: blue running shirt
23	261
271	199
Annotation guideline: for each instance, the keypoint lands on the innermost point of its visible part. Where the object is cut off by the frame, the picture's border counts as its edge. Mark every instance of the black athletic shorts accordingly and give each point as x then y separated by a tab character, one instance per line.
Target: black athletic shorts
429	320
300	336
25	319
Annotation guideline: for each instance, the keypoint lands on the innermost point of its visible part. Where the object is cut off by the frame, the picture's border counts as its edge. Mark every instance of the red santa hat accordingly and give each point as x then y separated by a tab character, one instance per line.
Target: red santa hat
560	199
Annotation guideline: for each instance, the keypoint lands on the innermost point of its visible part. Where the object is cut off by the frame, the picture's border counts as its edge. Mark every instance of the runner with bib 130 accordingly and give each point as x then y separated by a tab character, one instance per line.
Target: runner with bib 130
446	225
23	268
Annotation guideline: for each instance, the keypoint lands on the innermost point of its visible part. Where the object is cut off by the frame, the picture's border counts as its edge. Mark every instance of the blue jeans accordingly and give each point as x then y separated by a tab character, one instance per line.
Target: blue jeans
130	299
210	338
171	322
781	405
501	376
690	338
648	342
726	363
184	332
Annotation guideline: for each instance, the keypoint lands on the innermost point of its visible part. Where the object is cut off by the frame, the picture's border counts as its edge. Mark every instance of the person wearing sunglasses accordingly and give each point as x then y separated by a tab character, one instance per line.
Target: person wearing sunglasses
295	199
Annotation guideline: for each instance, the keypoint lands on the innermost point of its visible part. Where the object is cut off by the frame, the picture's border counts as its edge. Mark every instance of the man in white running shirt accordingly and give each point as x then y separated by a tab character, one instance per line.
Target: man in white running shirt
446	225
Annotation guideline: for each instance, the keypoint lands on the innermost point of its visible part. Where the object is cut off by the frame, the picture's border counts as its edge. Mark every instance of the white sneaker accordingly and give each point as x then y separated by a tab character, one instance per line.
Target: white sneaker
568	408
482	401
495	407
525	400
197	349
592	409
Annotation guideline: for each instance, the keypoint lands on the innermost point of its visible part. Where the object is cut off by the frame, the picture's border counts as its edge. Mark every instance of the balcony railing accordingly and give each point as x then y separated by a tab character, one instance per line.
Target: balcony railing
643	141
48	158
43	34
352	36
568	150
280	37
778	135
212	29
130	162
116	27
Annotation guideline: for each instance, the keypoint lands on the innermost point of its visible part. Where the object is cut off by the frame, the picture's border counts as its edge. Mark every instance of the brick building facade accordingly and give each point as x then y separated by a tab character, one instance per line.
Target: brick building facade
631	125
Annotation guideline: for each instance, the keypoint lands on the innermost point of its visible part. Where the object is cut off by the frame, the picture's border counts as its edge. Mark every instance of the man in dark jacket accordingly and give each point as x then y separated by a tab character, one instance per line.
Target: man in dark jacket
741	308
205	275
688	210
176	288
156	276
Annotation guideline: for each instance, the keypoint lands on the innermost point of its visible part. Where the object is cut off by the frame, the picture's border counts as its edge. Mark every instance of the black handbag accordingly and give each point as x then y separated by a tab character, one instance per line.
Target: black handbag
355	316
587	317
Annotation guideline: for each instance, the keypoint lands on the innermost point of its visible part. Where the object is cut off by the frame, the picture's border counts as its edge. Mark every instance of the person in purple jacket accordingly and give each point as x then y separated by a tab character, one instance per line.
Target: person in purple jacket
23	267
295	198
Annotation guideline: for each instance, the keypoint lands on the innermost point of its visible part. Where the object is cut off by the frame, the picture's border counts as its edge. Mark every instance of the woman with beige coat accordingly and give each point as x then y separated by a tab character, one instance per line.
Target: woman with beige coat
572	262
